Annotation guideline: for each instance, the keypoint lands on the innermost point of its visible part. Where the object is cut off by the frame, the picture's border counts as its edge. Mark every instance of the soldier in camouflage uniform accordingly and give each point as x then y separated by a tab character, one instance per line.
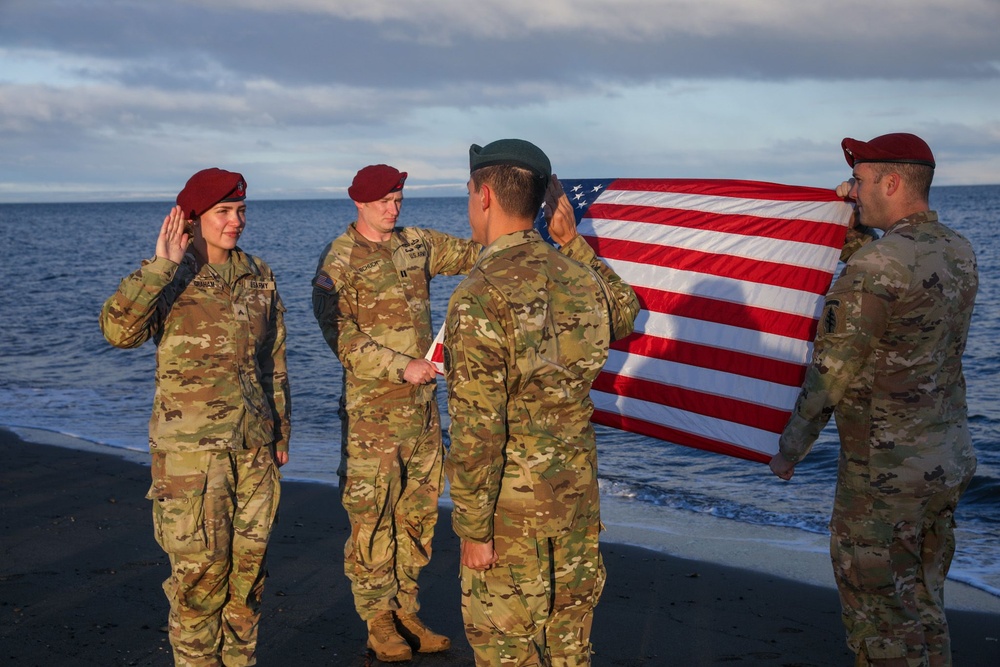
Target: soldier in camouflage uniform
527	332
888	364
372	301
220	422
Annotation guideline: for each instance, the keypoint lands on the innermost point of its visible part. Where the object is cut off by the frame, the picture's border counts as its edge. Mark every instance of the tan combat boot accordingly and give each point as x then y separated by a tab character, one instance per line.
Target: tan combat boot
383	638
418	634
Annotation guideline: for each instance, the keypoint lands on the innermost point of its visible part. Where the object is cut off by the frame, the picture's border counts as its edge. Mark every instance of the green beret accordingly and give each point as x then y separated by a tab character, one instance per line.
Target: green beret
517	152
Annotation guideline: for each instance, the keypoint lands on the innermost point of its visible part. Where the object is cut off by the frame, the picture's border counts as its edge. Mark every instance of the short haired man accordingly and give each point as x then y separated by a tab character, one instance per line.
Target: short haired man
888	363
371	297
526	334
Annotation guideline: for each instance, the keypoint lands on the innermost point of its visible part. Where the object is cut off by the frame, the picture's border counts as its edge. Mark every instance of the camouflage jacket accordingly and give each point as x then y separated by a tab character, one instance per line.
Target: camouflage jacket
221	380
888	362
372	302
526	334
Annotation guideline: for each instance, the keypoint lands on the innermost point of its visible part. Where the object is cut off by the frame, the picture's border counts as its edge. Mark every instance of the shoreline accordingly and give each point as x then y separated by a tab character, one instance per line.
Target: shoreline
785	552
80	579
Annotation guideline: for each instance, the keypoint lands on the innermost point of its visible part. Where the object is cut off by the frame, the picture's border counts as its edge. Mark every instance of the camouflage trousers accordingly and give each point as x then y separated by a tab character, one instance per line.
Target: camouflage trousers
890	559
535	606
212	515
395	470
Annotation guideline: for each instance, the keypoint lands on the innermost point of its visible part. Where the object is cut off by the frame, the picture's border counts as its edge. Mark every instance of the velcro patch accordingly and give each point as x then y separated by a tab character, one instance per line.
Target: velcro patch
323	282
830	315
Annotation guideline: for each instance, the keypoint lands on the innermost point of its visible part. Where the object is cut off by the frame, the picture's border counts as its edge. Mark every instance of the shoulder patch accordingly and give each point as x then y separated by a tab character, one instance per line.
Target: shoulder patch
323	282
830	315
447	360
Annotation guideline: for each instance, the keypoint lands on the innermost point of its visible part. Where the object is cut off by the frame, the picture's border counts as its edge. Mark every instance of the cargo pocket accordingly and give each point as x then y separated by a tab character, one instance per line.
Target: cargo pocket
510	600
366	487
179	513
866	568
884	648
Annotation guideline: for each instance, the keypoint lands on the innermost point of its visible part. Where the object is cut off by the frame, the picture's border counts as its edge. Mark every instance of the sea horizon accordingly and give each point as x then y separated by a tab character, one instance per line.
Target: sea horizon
413	191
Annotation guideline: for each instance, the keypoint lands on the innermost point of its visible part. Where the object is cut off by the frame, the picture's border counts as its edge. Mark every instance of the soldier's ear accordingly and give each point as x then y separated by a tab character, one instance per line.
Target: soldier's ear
485	196
891	183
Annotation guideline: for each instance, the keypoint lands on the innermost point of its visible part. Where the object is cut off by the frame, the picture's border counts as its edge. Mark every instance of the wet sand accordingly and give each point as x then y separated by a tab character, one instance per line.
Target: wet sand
80	579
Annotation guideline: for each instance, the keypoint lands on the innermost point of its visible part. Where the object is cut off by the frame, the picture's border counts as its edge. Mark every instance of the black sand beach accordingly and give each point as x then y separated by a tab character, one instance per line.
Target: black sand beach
80	579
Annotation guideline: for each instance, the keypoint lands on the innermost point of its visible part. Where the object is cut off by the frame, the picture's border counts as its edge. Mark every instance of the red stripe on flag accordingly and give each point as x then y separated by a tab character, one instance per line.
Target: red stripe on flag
800	231
676	436
737	268
740	315
719	407
726	188
713	358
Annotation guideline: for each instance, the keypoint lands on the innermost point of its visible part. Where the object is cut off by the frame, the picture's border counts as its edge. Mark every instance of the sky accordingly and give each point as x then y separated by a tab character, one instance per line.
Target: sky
109	100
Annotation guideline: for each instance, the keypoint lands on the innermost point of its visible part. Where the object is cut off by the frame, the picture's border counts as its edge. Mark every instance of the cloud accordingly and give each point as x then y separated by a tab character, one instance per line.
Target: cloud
212	42
130	95
649	20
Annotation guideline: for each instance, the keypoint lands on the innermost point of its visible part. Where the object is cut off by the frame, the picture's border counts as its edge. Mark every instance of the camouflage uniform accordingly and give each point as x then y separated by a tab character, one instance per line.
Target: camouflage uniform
221	406
526	335
372	302
888	363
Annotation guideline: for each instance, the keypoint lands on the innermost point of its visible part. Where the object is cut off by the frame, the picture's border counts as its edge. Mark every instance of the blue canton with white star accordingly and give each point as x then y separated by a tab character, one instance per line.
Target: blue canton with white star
581	193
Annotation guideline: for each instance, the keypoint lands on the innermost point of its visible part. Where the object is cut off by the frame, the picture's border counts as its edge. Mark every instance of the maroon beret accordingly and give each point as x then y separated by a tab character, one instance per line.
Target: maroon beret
898	147
374	182
208	187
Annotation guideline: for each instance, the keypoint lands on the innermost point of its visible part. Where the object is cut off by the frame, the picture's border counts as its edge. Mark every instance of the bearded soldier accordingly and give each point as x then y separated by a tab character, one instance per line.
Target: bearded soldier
888	363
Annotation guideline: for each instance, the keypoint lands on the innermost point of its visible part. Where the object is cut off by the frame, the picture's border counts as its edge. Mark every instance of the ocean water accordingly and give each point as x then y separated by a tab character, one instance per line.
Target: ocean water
57	373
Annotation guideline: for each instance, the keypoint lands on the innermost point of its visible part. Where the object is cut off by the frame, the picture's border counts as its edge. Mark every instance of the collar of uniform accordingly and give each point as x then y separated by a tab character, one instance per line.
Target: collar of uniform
242	265
511	240
911	220
361	239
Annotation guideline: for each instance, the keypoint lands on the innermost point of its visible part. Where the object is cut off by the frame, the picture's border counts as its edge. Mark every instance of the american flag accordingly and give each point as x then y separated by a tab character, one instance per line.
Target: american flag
730	276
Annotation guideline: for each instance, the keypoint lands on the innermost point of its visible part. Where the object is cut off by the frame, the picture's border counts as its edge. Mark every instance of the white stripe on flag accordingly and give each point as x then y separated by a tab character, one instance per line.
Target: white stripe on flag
762	249
722	337
678	281
705	380
816	211
699	426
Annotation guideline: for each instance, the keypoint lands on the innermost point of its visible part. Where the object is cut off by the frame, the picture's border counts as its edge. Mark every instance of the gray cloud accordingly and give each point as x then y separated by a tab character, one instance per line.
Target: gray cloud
221	43
89	92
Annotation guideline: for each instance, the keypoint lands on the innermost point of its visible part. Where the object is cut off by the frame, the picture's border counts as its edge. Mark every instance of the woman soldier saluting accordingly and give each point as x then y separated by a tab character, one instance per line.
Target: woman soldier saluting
220	423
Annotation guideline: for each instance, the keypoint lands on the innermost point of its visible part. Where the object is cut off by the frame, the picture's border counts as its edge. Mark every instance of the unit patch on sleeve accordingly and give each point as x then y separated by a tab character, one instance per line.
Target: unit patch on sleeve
830	315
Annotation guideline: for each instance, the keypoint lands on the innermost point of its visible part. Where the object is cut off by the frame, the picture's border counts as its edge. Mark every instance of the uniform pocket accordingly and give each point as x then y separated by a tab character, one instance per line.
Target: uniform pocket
510	599
868	568
179	511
